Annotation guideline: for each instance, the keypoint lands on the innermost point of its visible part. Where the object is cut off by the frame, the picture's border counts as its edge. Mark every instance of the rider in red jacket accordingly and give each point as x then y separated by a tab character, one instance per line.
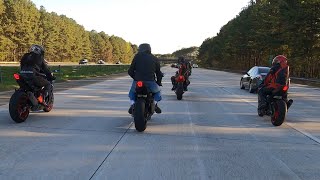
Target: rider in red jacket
276	80
183	70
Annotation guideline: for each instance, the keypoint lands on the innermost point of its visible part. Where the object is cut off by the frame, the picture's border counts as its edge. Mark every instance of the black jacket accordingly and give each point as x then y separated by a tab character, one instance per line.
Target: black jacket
144	67
35	63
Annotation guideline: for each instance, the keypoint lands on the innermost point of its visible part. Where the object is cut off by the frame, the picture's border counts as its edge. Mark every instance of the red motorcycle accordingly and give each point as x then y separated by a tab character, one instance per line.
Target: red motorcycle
277	106
180	80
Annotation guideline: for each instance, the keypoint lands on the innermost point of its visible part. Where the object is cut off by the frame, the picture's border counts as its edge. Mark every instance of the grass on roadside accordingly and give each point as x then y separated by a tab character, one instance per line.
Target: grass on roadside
63	73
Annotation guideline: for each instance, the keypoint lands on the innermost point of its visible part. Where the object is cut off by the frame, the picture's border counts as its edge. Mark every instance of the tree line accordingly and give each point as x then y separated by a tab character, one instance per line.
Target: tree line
190	53
264	29
22	25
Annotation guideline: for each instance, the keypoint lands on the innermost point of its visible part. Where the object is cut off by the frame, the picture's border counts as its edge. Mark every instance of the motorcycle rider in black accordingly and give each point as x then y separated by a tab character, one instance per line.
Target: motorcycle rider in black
145	67
34	67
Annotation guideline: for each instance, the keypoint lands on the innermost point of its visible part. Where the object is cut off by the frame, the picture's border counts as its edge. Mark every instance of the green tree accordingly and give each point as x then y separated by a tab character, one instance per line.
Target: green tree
190	52
264	29
20	25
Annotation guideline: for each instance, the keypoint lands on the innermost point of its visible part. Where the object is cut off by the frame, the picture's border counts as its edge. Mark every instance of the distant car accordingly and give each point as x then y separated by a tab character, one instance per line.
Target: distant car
195	66
83	61
101	62
253	78
174	65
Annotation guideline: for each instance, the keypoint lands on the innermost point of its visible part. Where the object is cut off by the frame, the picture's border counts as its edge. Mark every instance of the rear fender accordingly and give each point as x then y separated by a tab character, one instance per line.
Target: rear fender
141	92
180	85
277	97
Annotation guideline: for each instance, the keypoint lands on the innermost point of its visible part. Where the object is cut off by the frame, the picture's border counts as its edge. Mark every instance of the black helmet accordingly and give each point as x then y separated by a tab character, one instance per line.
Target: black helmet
181	59
145	48
37	49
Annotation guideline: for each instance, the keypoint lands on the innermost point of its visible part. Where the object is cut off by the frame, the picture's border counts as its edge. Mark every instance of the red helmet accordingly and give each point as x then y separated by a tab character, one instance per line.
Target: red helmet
280	59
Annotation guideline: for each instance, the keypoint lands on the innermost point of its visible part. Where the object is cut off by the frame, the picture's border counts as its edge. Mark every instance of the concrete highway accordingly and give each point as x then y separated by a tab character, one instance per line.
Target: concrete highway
213	133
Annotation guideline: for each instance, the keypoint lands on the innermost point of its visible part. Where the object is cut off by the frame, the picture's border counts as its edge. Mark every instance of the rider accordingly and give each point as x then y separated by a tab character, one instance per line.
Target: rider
144	67
183	67
276	79
34	65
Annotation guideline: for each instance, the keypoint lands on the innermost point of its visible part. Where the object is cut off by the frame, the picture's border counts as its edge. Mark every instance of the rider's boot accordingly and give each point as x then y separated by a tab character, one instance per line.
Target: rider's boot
130	111
289	103
157	109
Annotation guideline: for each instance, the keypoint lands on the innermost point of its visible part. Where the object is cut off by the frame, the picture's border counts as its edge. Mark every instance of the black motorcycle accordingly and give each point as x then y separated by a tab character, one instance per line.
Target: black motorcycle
29	98
144	106
277	107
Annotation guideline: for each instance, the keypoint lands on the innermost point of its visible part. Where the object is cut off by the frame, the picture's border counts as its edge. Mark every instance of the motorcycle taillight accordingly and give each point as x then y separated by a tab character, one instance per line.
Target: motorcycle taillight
139	84
180	79
285	88
16	76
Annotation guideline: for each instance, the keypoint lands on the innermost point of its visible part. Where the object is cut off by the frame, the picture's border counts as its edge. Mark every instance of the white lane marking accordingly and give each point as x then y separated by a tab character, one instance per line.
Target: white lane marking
317	140
199	161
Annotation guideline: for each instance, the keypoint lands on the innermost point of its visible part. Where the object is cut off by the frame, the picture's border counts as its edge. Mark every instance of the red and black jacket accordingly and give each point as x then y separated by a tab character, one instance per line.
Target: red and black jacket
277	77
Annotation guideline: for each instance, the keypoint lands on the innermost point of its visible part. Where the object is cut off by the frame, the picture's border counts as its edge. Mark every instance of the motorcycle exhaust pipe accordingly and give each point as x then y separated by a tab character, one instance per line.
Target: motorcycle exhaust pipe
32	98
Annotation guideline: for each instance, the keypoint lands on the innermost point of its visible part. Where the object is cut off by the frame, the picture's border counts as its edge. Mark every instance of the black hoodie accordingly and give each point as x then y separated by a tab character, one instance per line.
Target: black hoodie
144	67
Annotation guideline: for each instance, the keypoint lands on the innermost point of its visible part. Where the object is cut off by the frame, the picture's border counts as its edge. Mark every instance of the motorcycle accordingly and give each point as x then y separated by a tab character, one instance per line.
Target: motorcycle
144	106
277	107
180	81
28	98
180	86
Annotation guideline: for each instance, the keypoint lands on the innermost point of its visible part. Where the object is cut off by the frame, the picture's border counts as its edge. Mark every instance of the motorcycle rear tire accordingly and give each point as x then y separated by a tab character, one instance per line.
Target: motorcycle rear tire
18	101
179	96
140	121
179	92
280	112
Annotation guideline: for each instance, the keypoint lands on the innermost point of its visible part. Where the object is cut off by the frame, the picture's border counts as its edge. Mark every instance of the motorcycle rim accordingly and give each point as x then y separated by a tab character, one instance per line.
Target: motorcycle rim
22	108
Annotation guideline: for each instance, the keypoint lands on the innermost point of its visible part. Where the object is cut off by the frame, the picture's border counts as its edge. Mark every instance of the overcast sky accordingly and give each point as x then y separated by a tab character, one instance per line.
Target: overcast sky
168	25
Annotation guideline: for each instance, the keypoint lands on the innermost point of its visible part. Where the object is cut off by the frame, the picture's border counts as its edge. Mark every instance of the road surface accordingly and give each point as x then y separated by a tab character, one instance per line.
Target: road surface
213	133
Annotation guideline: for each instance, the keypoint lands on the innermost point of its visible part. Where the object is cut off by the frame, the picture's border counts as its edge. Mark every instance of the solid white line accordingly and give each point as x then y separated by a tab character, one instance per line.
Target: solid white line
303	132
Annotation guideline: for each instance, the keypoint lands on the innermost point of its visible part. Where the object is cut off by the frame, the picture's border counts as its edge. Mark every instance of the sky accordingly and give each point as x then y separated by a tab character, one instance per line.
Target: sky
167	25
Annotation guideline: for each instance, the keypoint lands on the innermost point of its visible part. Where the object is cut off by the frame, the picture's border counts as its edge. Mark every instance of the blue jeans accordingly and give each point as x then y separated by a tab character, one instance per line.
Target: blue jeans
151	85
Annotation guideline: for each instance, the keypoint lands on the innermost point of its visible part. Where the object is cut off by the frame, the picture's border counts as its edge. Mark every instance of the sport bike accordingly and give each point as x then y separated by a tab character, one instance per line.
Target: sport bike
144	106
277	106
29	98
